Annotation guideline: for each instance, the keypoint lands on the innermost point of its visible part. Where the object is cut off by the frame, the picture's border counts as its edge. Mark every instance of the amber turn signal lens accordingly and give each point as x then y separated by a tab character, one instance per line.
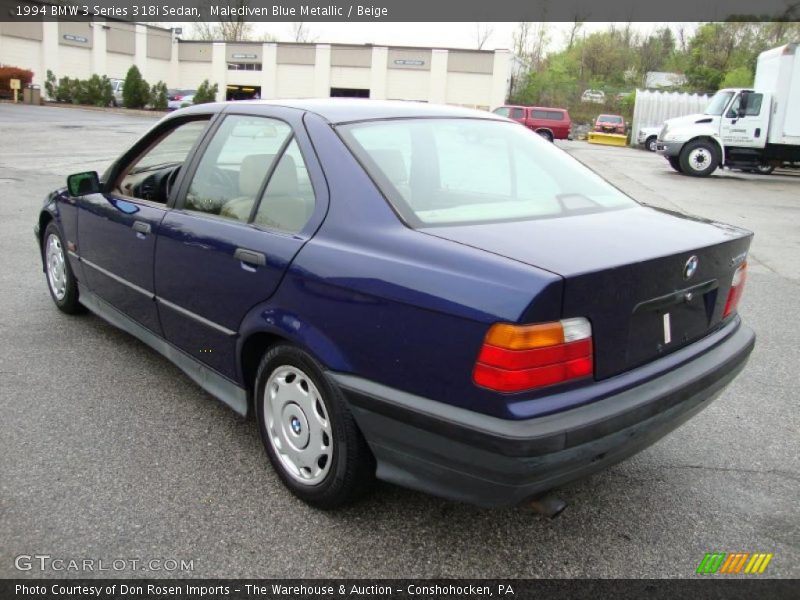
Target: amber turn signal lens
525	337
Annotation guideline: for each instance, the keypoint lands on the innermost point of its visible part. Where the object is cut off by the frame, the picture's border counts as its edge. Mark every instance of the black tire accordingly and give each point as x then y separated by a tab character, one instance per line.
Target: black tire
67	299
650	143
546	135
352	466
699	158
674	163
763	170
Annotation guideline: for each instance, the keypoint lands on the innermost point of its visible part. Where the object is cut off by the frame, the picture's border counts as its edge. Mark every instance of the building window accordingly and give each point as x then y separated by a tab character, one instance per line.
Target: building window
244	66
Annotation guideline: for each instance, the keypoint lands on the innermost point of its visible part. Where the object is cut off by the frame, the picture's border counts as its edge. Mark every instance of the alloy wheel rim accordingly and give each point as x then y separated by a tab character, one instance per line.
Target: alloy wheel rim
56	267
699	159
298	426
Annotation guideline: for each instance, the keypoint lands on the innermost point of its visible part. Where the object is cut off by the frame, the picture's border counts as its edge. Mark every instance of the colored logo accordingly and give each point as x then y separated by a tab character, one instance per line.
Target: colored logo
690	267
734	563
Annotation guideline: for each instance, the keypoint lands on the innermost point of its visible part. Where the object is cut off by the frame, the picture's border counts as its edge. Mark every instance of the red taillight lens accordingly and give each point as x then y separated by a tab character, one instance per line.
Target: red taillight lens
514	358
735	293
178	97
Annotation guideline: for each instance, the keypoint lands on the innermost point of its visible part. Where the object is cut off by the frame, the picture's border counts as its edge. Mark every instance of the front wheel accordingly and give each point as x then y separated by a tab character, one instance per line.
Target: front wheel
650	143
699	159
308	432
675	163
60	280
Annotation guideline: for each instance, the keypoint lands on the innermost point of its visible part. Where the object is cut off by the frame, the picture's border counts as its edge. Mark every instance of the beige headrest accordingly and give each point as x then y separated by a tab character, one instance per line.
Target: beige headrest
252	172
284	180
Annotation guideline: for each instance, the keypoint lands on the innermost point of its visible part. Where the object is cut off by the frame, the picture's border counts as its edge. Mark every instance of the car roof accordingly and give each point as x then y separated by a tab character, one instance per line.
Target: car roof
532	107
344	110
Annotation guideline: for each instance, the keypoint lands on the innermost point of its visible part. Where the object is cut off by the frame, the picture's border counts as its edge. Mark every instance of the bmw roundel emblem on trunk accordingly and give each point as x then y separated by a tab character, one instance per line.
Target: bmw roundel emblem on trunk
690	268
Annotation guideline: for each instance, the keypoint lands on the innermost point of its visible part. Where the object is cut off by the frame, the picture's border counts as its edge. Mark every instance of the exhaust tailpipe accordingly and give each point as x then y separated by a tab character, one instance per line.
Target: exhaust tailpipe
548	505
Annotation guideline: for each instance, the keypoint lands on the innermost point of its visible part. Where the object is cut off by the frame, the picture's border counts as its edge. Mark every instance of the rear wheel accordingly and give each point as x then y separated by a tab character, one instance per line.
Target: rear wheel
308	432
60	280
763	170
699	158
545	134
675	163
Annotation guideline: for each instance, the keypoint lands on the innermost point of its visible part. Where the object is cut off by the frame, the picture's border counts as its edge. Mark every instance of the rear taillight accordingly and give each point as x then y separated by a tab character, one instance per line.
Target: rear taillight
735	293
515	358
179	97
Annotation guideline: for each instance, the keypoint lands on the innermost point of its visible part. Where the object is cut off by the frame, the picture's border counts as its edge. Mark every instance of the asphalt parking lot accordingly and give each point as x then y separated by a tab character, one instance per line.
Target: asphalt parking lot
109	452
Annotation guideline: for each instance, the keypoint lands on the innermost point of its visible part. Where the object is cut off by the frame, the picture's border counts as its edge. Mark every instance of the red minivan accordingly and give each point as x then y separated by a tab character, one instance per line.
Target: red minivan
550	123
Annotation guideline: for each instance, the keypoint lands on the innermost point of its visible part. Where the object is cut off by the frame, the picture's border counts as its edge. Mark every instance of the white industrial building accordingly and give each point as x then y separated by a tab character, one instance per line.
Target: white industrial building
474	78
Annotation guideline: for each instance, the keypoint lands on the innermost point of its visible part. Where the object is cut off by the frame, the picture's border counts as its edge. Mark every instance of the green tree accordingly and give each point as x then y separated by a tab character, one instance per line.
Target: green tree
50	85
206	93
740	77
135	90
158	96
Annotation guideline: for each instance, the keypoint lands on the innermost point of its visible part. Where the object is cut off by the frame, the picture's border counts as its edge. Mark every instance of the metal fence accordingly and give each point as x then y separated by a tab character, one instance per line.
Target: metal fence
653	108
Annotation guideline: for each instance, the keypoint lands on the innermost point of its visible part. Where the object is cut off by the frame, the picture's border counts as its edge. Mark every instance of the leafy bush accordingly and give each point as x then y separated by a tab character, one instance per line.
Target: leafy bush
135	90
96	91
66	91
7	73
206	93
158	96
50	85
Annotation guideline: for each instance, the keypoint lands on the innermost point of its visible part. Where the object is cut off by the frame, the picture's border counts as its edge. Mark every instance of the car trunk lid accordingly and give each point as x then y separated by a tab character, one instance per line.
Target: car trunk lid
625	270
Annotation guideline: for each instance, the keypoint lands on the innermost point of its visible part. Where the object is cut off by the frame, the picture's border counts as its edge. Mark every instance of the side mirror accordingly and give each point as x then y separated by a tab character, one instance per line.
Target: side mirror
81	184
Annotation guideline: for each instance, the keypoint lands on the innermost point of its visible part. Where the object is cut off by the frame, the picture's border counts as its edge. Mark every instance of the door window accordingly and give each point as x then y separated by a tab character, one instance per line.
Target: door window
517	113
153	172
235	166
288	200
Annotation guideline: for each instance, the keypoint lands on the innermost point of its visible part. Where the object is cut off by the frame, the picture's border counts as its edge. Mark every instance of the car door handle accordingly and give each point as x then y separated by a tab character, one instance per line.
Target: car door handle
141	227
250	257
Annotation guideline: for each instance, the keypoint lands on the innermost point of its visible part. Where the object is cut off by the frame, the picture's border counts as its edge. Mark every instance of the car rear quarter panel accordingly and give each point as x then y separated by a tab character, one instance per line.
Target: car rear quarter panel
369	296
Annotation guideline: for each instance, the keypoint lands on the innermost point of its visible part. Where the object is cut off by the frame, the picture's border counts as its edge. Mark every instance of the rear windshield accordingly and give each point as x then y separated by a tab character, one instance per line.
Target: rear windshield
610	118
549	115
458	171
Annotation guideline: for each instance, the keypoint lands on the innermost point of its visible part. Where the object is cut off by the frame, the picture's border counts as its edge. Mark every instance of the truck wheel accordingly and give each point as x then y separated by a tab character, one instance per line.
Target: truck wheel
675	163
699	159
650	143
763	170
545	134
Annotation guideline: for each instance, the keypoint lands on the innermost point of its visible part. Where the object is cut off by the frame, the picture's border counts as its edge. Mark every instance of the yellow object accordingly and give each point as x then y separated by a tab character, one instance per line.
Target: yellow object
607	139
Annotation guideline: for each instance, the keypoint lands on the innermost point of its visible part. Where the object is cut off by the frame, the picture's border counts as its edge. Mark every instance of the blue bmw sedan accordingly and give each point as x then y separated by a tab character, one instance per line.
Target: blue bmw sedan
428	295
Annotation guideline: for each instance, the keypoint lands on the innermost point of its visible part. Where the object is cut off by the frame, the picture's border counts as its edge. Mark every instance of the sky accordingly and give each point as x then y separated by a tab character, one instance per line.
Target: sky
446	35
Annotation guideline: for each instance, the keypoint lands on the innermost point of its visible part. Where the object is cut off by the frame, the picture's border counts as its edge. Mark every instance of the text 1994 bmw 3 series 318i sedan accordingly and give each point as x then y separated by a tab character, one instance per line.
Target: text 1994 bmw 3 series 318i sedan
429	295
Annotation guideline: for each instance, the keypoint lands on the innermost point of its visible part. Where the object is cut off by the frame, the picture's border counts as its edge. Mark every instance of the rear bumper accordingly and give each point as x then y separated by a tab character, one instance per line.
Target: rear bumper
471	457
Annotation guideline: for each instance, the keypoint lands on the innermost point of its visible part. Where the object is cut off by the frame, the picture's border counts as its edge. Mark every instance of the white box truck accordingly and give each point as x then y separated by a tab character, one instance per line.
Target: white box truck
749	129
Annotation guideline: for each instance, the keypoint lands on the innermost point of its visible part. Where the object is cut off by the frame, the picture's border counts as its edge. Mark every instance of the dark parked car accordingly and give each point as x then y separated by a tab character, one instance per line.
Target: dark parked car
550	123
425	294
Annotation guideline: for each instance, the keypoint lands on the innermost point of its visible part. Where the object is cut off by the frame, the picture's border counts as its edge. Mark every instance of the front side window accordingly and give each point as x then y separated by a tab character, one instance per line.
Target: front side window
517	113
459	171
502	111
151	174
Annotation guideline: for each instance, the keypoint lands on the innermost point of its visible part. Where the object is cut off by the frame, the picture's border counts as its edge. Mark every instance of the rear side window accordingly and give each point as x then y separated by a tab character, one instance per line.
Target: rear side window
548	115
235	166
253	172
457	171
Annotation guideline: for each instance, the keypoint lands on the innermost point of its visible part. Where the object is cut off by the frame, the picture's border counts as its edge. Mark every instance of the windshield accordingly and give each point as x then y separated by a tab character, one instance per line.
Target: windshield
610	118
457	171
718	103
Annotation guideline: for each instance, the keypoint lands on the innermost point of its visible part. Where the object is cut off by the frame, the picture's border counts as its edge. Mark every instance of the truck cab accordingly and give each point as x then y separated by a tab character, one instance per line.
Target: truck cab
750	129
